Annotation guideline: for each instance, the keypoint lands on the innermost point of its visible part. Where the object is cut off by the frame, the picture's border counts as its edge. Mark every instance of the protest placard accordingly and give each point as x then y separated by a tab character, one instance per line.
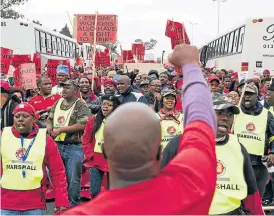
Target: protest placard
51	69
27	76
102	59
37	61
106	30
20	59
6	56
127	55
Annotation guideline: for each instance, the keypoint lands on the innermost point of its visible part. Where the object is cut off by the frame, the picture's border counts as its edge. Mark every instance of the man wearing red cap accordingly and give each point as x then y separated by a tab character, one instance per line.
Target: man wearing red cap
266	73
26	151
8	104
214	83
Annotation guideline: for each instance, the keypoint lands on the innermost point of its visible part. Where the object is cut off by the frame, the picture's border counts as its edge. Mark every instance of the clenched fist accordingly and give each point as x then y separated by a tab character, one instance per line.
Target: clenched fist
184	54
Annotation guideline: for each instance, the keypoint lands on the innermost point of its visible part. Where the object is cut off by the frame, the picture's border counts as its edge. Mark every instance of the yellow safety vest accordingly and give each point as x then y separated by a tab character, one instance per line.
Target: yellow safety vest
99	137
61	118
13	165
231	186
251	131
170	128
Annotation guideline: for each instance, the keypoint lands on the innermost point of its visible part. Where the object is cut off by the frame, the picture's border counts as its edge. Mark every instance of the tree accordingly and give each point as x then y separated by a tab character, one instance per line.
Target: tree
7	10
66	31
149	45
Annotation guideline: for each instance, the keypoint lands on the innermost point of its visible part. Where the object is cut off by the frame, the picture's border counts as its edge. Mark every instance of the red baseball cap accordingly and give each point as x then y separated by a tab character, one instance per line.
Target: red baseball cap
234	74
25	107
213	77
5	85
266	71
109	81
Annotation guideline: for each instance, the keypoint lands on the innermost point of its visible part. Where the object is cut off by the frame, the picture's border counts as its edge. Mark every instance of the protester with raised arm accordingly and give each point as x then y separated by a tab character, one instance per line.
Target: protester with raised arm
186	185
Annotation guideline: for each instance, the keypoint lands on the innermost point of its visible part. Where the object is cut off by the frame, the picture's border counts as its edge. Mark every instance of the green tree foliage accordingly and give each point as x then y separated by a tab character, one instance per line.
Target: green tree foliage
66	31
8	11
148	44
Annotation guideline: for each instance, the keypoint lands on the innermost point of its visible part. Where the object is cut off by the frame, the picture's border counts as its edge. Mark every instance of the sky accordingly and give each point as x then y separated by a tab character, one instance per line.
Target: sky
146	19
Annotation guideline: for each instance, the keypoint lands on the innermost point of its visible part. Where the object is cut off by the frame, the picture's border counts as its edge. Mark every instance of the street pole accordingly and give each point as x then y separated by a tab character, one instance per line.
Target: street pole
192	30
219	9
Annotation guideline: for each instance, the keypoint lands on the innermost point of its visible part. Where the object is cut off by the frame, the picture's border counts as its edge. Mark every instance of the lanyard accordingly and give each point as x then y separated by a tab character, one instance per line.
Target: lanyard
25	156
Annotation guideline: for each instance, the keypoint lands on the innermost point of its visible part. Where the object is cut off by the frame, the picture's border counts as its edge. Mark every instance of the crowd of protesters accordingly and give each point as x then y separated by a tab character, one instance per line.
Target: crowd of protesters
119	150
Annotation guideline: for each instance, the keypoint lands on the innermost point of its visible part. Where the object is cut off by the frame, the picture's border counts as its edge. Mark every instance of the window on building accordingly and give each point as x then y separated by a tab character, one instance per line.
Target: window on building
37	41
241	39
230	43
49	45
236	40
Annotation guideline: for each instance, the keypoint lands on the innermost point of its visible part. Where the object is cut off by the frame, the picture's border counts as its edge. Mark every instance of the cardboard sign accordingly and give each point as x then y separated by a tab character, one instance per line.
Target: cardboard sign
172	26
106	31
144	68
27	76
102	59
139	51
20	59
6	57
16	78
37	61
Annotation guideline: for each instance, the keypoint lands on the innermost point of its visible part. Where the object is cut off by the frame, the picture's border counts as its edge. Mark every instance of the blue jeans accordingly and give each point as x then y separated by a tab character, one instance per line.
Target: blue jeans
26	212
72	156
96	177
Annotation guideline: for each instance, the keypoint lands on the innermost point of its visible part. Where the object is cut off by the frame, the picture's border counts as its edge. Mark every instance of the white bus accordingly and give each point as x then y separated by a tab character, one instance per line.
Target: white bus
29	38
245	49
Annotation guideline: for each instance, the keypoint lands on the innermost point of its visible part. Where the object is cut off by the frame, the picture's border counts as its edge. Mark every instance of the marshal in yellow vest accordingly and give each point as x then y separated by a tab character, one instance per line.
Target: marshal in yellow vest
231	187
61	118
170	128
251	131
12	164
99	137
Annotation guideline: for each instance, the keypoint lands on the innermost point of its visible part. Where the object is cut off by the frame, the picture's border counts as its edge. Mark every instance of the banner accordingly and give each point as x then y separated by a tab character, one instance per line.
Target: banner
20	59
27	76
37	61
106	31
6	57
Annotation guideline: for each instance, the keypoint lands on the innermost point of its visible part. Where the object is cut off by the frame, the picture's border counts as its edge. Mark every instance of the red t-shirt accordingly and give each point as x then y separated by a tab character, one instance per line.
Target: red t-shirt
185	186
40	103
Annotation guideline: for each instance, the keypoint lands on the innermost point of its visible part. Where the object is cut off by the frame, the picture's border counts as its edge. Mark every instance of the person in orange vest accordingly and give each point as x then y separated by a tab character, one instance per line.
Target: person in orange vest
26	151
132	148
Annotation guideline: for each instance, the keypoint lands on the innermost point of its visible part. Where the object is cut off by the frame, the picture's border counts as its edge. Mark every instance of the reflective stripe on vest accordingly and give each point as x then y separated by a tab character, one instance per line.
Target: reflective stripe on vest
99	137
251	131
170	128
12	164
231	186
61	118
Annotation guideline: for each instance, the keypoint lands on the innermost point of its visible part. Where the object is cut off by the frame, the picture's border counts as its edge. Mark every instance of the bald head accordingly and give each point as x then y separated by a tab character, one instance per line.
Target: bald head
132	137
123	84
124	79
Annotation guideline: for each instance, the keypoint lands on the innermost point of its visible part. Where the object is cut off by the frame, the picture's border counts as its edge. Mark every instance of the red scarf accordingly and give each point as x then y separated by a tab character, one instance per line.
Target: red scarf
169	114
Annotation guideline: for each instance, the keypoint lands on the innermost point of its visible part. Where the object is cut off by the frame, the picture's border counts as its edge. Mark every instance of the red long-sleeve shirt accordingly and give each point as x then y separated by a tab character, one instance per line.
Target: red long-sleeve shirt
35	199
92	159
41	104
185	186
